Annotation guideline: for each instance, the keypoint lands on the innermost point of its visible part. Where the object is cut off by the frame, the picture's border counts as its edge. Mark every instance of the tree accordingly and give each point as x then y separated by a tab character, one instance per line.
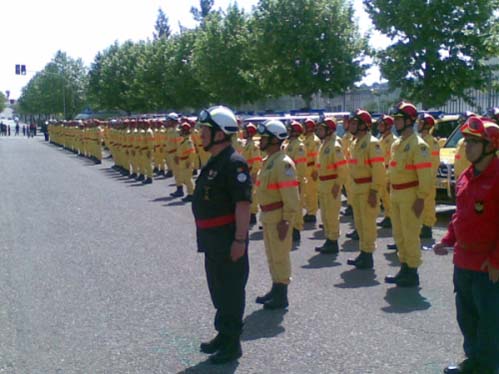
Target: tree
221	58
113	82
203	11
307	46
162	26
58	89
3	100
439	49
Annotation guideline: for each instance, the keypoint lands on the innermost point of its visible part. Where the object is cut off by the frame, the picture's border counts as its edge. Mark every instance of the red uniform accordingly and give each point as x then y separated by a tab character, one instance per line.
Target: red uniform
473	230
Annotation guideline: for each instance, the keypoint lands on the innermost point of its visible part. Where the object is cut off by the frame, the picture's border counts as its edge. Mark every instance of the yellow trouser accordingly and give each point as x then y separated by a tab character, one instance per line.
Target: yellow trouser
348	189
384	194
254	202
364	216
430	209
330	214
311	196
98	151
135	162
406	227
277	252
298	224
185	177
146	164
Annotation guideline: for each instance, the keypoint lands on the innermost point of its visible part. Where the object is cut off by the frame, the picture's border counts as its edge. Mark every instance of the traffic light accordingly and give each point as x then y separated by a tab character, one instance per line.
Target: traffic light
20	69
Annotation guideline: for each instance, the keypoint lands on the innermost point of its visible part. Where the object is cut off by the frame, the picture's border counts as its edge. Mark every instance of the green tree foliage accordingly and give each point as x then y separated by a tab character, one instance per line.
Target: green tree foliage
439	47
307	46
60	88
205	7
221	58
3	100
162	27
113	82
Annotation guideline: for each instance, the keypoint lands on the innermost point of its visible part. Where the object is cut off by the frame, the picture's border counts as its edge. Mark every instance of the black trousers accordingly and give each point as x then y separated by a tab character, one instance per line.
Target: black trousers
477	306
227	283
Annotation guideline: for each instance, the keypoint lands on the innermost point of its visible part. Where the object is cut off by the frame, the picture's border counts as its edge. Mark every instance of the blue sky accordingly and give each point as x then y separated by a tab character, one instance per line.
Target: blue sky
33	30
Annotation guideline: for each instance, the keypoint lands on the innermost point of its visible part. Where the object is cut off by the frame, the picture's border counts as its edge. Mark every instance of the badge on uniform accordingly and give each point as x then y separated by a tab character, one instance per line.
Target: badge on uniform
289	171
364	145
479	207
212	174
377	149
326	151
241	177
269	166
407	147
424	151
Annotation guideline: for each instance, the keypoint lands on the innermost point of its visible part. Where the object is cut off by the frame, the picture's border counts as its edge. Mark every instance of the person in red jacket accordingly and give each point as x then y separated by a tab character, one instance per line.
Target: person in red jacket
473	232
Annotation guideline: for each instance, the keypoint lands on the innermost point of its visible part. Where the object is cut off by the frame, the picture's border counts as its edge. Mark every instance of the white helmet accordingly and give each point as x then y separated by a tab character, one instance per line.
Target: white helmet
172	116
273	127
221	117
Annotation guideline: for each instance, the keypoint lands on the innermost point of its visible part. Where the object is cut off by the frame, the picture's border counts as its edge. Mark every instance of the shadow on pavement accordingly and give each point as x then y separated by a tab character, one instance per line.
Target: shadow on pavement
405	300
321	261
349	245
355	278
165	198
206	368
392	258
263	324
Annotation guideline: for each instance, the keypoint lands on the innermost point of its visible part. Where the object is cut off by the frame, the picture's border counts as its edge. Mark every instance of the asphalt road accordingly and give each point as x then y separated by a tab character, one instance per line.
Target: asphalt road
99	274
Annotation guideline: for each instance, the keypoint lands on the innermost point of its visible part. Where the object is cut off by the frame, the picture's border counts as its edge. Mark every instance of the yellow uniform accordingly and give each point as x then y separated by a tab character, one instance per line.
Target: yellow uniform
147	153
184	159
312	144
386	145
430	213
172	141
332	171
461	163
237	143
346	141
367	168
253	157
277	193
411	178
295	149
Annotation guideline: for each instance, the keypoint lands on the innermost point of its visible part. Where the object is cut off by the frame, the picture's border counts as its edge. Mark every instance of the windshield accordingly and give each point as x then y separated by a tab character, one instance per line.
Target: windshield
454	138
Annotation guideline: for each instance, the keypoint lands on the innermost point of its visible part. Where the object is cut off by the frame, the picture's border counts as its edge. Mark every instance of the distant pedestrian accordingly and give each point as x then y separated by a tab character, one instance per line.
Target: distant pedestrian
24	130
474	235
17	128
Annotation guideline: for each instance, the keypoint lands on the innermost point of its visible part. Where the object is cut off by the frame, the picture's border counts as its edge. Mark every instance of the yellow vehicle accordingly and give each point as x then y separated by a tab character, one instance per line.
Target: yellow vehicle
444	127
446	180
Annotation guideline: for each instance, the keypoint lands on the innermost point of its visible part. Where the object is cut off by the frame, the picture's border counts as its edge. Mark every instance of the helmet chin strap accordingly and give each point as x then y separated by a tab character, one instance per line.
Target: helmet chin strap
213	141
399	132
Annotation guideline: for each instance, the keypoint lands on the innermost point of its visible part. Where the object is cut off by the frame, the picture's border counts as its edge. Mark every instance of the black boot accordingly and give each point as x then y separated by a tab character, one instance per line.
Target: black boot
363	261
213	345
408	279
141	178
330	247
187	199
169	174
348	211
296	235
147	181
230	351
194	172
392	247
466	366
354	235
392	279
385	223
426	232
309	218
252	219
267	296
178	193
279	298
133	175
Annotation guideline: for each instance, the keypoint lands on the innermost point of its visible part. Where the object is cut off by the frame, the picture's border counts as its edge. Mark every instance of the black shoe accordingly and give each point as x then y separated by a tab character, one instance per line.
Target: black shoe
279	298
330	247
187	199
309	218
230	351
178	193
169	174
348	211
141	178
252	219
321	226
467	366
268	296
392	279
133	175
147	181
426	232
385	223
363	261
296	235
392	247
410	278
213	345
195	172
354	235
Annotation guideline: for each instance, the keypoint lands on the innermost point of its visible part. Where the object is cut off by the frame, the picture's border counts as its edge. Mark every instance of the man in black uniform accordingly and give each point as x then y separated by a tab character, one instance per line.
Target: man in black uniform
221	206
